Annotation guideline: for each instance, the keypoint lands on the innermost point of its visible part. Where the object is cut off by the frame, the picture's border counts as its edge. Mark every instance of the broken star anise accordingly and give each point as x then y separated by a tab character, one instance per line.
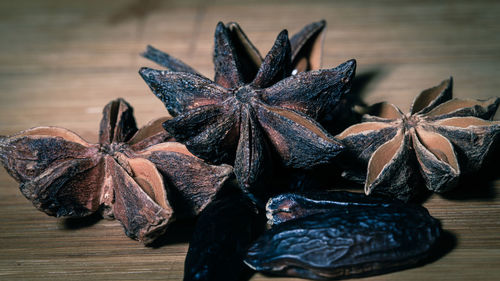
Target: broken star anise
438	140
131	175
249	119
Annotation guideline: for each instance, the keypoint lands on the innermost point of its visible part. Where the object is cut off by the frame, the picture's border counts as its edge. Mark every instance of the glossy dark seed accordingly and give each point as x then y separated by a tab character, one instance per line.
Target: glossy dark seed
288	206
346	242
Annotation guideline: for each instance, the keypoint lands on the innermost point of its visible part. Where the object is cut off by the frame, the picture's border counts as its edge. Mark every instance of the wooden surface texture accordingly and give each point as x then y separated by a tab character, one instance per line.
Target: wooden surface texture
62	61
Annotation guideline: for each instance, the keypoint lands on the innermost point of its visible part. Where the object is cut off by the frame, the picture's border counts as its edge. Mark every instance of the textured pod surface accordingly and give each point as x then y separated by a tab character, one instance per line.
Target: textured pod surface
255	114
439	140
346	242
289	206
131	174
223	233
306	51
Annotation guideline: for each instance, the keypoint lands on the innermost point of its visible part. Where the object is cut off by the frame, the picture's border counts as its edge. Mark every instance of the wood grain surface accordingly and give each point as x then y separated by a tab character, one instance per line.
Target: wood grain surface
62	61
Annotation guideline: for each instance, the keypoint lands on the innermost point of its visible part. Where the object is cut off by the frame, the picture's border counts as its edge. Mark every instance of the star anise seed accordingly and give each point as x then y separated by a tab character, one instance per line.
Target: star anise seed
233	120
437	141
124	176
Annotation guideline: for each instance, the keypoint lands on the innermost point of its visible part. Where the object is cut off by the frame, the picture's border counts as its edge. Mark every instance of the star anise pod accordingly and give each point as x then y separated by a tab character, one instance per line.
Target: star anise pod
306	54
437	141
306	51
250	122
131	175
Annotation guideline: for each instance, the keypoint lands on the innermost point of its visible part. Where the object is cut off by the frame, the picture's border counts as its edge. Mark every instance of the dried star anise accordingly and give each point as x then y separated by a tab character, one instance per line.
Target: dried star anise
131	175
249	119
437	141
306	48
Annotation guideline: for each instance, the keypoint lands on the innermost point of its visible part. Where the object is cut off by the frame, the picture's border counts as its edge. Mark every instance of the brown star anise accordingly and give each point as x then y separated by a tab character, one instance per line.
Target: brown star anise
437	141
131	175
249	120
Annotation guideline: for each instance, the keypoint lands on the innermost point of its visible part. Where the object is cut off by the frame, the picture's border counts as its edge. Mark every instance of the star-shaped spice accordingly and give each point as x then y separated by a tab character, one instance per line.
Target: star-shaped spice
131	175
306	51
437	141
251	123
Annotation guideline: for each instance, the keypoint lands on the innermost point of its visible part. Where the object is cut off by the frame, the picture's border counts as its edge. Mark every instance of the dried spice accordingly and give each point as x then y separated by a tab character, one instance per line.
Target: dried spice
438	140
289	206
306	51
224	231
123	176
346	242
251	119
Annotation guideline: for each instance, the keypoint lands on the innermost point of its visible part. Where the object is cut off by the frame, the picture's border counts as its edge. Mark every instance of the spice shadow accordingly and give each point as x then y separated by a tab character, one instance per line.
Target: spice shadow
78	223
423	194
177	232
344	115
445	243
361	82
477	186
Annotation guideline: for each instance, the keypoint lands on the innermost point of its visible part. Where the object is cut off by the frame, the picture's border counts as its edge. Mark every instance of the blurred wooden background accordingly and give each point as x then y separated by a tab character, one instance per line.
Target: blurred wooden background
62	61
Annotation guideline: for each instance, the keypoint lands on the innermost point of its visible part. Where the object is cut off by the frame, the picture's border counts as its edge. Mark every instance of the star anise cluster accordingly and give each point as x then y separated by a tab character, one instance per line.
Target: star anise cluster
258	117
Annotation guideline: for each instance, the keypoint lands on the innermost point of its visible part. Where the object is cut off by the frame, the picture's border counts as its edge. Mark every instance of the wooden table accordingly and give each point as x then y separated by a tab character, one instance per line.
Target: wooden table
62	61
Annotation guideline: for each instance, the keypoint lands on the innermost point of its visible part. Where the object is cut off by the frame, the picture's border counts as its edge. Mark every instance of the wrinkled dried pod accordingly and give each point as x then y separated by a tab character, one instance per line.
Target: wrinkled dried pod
349	242
124	176
223	233
289	206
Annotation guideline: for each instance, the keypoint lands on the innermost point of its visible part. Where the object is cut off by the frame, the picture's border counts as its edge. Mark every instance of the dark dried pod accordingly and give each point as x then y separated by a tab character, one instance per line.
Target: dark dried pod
289	206
132	174
439	140
306	51
348	242
224	231
254	115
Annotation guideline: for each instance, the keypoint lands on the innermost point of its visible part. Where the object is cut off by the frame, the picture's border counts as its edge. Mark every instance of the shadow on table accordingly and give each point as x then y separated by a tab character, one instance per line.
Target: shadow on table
346	112
480	185
177	232
443	246
79	223
361	82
